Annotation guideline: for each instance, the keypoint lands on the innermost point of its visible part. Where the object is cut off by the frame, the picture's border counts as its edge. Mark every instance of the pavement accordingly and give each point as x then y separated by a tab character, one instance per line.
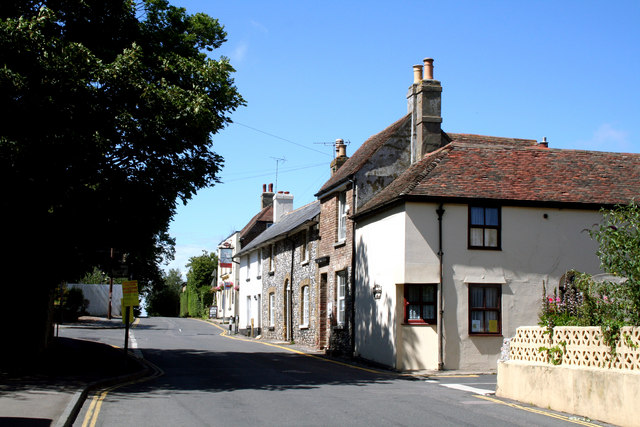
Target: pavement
49	389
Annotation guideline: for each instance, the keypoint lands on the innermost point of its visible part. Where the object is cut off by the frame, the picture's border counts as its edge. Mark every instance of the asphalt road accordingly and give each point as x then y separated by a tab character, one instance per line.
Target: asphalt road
216	380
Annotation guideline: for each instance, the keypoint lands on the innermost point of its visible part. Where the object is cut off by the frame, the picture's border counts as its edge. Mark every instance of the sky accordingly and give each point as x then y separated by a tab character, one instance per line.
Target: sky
312	72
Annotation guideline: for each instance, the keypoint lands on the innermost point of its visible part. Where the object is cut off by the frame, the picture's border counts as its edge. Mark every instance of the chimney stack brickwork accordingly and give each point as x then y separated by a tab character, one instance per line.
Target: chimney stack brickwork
424	103
341	156
266	198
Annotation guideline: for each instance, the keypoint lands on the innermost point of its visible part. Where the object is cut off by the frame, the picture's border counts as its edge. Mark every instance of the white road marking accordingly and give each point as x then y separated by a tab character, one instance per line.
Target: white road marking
134	345
463	387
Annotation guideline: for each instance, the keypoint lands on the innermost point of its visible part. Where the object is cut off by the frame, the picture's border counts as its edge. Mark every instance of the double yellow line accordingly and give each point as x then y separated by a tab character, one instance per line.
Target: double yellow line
91	417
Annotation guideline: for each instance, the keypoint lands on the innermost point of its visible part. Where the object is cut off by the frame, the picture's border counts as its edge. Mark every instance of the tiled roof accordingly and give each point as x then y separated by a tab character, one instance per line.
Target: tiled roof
475	167
289	222
265	215
362	154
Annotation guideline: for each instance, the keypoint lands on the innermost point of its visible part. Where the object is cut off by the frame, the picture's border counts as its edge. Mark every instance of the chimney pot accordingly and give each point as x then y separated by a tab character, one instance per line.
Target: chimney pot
428	68
417	73
264	188
286	192
544	143
271	188
280	192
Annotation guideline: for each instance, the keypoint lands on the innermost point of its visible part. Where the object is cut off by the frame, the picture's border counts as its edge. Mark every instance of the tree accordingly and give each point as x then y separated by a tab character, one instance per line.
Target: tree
618	240
199	279
109	111
164	299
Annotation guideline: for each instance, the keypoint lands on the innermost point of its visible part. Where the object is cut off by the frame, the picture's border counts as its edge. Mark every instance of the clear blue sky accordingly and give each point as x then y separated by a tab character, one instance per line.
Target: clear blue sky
312	72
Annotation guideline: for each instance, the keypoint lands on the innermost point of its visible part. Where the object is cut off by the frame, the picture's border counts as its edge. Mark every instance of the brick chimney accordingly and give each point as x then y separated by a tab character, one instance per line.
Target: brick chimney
282	203
266	198
341	156
423	102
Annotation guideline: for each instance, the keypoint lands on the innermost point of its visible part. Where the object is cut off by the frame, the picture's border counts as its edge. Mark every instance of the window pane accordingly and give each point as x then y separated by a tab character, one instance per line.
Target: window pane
341	283
413	312
477	324
492	322
491	216
476	237
413	294
428	311
491	297
477	216
477	297
428	293
491	237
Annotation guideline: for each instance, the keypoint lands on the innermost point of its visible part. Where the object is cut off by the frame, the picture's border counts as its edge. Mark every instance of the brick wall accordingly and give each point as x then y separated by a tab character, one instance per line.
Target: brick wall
338	337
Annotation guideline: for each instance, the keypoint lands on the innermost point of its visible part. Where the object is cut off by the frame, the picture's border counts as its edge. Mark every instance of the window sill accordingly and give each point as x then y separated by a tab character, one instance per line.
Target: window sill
272	328
338	327
340	243
258	277
484	248
481	334
301	327
420	324
305	262
271	273
248	280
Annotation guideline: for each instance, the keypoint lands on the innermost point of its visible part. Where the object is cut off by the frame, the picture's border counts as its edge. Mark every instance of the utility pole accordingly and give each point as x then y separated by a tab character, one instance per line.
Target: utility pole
110	286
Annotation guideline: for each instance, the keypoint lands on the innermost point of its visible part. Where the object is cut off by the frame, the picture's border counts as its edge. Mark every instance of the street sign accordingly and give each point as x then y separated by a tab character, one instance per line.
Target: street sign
126	310
130	293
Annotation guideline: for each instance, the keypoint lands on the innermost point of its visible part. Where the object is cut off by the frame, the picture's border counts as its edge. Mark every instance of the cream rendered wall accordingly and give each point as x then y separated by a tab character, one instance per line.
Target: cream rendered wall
250	286
534	249
227	299
380	242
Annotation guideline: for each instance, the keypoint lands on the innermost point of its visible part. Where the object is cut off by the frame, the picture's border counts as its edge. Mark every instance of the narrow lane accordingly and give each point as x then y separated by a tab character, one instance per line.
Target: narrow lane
214	380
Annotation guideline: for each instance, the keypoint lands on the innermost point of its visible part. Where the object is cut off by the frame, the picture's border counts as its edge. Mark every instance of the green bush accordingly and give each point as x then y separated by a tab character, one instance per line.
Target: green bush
70	305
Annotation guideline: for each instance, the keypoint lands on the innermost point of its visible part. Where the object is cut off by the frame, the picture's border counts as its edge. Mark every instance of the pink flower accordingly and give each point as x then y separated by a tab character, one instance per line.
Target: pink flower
604	298
557	299
550	299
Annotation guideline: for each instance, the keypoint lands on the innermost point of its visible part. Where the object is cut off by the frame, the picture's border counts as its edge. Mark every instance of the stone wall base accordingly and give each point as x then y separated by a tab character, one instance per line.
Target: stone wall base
608	395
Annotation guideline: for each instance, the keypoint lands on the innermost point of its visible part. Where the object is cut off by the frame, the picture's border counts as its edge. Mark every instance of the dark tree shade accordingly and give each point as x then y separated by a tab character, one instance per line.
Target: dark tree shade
108	111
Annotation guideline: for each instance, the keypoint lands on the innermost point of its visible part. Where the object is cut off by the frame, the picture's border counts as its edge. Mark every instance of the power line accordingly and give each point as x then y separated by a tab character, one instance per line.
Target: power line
281	138
271	173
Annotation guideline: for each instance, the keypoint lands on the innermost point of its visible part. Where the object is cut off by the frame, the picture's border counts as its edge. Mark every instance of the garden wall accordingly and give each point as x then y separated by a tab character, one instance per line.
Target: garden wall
586	380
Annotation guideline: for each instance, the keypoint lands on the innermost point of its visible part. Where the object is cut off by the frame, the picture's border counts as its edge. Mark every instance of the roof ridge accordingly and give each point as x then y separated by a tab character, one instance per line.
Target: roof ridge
436	157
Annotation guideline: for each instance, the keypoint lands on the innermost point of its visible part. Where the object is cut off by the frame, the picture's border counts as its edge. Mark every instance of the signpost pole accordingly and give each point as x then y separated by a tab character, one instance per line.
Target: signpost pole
126	330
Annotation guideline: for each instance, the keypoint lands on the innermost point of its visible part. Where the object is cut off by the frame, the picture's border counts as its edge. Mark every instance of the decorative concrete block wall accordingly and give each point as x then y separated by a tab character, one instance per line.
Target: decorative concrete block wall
588	381
580	346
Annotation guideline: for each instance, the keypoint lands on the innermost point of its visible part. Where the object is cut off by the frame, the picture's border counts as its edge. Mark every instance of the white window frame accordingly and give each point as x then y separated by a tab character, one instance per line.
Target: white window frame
272	260
341	290
272	309
342	216
304	258
304	307
248	311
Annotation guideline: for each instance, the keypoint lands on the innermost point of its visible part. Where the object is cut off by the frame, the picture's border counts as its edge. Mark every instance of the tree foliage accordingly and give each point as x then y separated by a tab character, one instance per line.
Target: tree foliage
610	304
199	283
108	114
164	298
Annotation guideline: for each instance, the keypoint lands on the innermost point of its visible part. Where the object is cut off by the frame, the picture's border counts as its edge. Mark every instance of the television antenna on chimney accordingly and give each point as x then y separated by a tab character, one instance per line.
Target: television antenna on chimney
278	160
333	144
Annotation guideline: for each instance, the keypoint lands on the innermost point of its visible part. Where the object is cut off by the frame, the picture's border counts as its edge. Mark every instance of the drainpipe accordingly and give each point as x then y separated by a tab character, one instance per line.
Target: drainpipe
289	320
353	269
440	212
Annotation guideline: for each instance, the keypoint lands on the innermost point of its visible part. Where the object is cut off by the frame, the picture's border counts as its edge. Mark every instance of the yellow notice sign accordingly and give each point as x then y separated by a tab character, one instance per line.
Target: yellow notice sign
130	293
493	326
124	311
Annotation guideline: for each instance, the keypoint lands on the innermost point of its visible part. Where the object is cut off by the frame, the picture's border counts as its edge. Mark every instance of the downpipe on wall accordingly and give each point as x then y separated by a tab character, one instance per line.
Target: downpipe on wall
440	212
